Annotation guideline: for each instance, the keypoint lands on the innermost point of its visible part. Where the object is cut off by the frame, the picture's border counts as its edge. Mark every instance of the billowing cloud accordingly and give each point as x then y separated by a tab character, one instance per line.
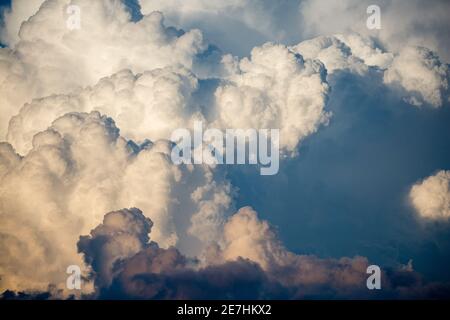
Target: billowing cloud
243	24
421	74
51	58
121	235
289	95
19	12
247	236
236	26
431	197
403	23
274	88
80	168
350	52
145	106
157	273
88	112
417	73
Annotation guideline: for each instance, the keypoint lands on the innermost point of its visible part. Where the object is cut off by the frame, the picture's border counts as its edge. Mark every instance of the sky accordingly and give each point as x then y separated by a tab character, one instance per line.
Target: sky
93	91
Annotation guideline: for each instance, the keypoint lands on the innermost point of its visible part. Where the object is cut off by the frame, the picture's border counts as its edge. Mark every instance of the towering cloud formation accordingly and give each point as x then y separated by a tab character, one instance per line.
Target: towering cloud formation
253	85
431	197
146	106
80	168
50	58
66	92
290	95
274	88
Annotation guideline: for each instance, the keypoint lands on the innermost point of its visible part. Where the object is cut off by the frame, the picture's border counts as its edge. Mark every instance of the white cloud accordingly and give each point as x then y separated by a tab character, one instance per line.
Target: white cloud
350	52
235	26
289	95
416	72
403	23
248	237
238	24
274	88
431	197
15	87
149	105
77	170
13	17
421	74
51	59
365	49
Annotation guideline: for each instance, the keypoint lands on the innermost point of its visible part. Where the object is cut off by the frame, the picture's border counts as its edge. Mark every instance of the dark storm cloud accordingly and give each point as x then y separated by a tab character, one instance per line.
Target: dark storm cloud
122	234
157	273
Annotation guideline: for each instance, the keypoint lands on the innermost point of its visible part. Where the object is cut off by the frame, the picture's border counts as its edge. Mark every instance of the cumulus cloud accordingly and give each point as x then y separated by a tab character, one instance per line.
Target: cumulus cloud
290	95
403	23
65	94
417	73
157	273
80	168
431	197
239	25
350	52
125	264
13	17
15	86
50	58
235	26
145	106
247	236
421	74
151	104
273	88
121	235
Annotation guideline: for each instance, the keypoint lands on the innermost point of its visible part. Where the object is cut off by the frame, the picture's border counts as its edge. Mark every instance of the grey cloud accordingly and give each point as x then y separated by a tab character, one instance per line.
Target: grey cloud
157	273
